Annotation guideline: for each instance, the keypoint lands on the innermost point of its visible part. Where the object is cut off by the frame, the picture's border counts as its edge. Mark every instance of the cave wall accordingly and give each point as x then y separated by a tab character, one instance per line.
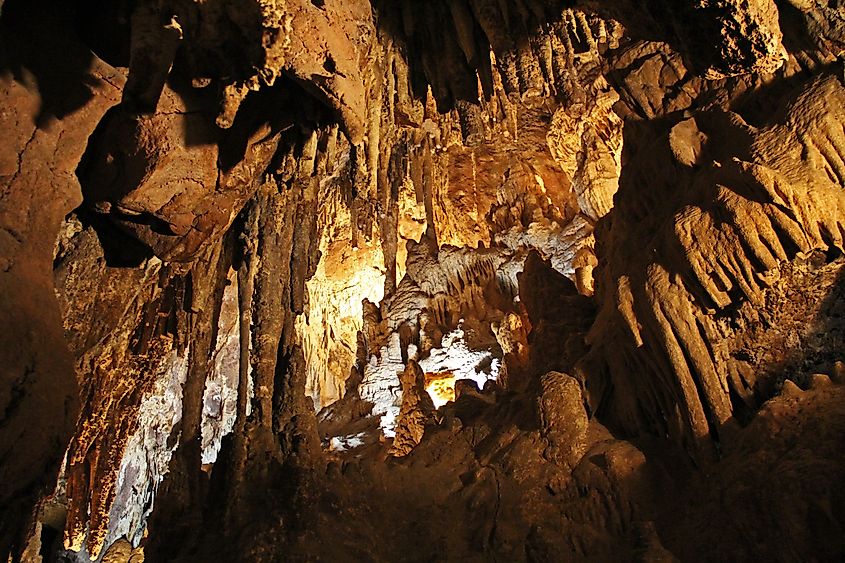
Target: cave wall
770	193
436	160
49	111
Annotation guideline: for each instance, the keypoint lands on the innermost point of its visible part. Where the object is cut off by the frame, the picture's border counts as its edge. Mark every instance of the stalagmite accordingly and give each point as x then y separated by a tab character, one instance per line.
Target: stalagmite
417	410
449	280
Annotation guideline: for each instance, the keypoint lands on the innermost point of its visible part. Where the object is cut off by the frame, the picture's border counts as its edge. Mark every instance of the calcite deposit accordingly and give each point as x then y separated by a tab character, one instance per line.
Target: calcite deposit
454	280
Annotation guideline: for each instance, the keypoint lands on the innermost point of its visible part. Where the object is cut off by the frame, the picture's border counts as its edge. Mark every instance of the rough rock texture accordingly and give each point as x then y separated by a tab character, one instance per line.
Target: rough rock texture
794	445
220	397
416	411
141	473
49	110
747	206
587	143
563	420
612	230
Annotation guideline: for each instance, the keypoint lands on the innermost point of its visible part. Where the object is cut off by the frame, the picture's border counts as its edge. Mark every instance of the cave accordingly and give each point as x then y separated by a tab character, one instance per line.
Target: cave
454	280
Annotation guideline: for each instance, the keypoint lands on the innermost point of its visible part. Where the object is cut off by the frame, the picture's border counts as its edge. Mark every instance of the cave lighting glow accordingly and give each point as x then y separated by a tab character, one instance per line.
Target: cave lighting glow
454	360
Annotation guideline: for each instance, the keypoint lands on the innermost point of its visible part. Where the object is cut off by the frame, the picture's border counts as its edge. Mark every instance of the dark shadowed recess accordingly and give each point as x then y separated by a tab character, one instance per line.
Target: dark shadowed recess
30	48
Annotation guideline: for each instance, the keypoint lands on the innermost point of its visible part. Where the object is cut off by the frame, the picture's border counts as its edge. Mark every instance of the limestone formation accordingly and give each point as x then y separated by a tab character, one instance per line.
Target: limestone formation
417	410
247	247
562	418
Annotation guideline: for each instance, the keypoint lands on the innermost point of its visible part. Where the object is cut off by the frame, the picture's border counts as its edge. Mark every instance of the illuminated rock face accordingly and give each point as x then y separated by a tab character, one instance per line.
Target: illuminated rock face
563	419
454	358
503	244
141	473
441	387
220	397
345	277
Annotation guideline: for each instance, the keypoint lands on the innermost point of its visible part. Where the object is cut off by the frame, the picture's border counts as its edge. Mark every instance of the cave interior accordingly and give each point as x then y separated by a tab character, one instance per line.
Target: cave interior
453	280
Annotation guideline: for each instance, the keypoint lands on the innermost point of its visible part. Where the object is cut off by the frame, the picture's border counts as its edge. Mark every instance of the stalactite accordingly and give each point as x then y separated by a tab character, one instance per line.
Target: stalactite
247	272
491	127
274	249
464	25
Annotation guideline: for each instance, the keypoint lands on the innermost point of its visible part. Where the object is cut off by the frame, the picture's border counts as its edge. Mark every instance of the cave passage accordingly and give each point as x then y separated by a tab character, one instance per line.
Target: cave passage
454	280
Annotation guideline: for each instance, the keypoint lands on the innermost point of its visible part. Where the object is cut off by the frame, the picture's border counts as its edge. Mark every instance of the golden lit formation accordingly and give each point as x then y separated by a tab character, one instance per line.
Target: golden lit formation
441	387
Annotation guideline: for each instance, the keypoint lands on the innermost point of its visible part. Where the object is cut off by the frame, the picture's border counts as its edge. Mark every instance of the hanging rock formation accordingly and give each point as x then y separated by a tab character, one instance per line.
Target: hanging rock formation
446	280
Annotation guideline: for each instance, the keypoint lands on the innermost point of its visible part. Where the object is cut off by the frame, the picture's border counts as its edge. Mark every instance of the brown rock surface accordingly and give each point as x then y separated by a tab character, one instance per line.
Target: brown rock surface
605	239
417	410
563	420
48	111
